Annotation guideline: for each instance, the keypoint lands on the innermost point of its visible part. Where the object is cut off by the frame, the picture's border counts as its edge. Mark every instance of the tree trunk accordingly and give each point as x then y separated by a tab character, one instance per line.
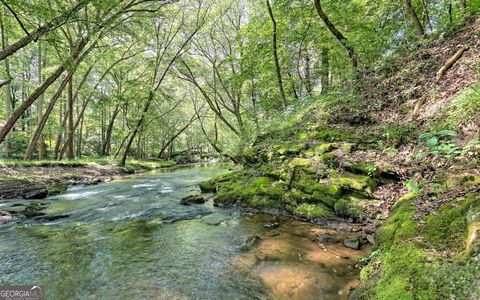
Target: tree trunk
416	21
108	136
8	95
41	124
41	140
427	15
340	37
308	76
325	69
275	56
70	151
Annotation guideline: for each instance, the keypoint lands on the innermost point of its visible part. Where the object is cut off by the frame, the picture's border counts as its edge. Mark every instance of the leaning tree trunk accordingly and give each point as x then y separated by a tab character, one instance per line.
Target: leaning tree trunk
416	21
340	37
275	56
108	135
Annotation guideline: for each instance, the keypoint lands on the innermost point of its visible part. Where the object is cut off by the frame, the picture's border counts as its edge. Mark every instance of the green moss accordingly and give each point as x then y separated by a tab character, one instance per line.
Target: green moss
57	188
300	162
350	207
314	211
207	187
328	194
407	264
326	147
359	183
330	160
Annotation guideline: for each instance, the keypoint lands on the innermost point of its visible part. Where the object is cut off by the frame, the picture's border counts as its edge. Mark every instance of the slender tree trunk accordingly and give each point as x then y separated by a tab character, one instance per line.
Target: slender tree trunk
43	120
80	138
108	136
340	37
70	149
325	69
416	21
41	140
308	76
275	56
427	14
8	89
137	128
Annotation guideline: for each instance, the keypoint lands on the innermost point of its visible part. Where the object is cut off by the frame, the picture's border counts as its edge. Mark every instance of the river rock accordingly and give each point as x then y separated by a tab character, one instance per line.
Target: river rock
328	239
352	244
36	192
192	199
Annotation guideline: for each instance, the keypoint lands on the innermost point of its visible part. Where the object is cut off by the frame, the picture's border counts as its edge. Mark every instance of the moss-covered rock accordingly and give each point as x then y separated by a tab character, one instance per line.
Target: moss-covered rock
57	188
359	183
327	194
429	261
314	211
350	207
330	160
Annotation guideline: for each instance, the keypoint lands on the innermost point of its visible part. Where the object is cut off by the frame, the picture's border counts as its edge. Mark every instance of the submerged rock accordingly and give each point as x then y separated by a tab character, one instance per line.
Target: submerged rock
352	244
215	219
328	239
192	199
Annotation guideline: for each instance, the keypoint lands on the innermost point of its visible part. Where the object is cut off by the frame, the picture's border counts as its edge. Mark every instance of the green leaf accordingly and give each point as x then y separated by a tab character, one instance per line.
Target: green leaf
425	135
431	142
447	132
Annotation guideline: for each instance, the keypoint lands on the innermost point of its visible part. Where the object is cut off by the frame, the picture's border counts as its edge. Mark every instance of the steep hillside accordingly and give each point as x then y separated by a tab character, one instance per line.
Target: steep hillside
399	158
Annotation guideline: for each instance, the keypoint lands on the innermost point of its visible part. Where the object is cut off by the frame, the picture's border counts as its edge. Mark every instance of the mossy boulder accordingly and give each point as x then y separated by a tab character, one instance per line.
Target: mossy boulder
359	183
350	207
405	263
207	187
314	212
326	193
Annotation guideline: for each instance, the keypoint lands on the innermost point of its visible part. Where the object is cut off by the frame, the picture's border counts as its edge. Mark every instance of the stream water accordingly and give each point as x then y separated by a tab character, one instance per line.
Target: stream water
130	239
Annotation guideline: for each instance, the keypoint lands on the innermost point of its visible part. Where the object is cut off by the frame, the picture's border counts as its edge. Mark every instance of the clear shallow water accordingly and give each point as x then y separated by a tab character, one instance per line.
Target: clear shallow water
131	239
